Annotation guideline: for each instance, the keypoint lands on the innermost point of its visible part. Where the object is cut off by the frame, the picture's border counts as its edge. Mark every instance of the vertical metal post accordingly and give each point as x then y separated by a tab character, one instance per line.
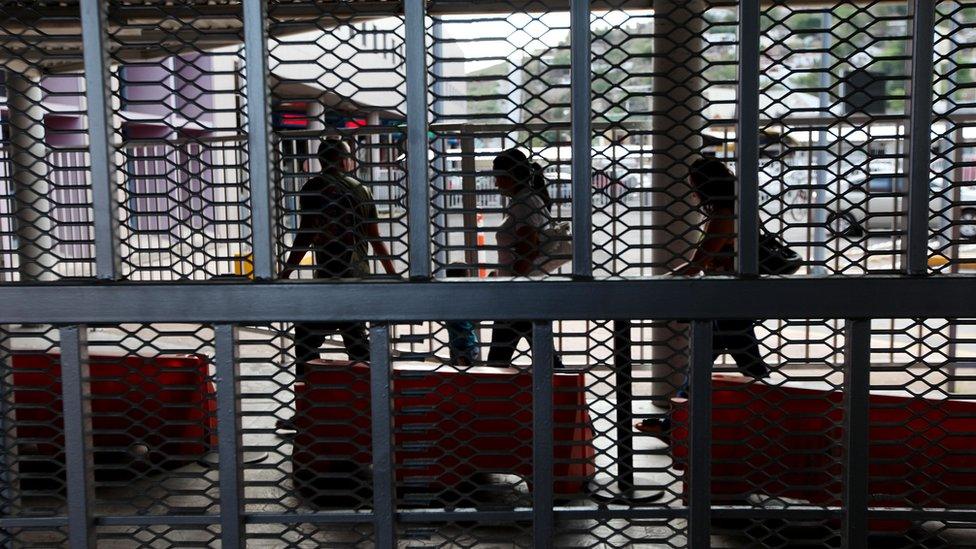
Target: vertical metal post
580	112
373	154
747	138
920	149
418	184
77	436
100	148
700	458
542	435
820	196
9	485
384	501
442	219
469	201
229	438
857	382
260	171
29	174
624	392
623	490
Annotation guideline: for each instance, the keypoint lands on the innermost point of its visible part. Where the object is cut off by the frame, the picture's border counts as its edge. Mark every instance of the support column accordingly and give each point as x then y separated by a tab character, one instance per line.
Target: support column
677	124
29	173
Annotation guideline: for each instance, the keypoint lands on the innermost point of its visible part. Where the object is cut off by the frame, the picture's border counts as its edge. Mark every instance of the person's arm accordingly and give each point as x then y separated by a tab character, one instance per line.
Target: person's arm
719	232
300	247
379	247
526	249
373	233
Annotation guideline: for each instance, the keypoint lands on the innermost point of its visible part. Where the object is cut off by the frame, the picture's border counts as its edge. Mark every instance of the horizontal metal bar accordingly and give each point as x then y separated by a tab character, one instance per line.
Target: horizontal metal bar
423	515
564	513
960	515
33	522
789	513
516	514
242	302
327	9
153	520
310	518
818	122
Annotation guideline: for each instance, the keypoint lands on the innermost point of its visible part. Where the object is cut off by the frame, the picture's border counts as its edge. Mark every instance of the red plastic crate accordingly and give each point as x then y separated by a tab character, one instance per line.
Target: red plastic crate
160	408
785	441
449	423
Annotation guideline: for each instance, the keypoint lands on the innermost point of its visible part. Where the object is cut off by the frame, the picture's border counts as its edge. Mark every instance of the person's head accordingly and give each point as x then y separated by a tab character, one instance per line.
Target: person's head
335	156
457	270
713	183
515	173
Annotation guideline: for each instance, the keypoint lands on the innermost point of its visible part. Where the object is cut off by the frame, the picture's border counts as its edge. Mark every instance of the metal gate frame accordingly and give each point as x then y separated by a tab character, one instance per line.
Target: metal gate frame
226	304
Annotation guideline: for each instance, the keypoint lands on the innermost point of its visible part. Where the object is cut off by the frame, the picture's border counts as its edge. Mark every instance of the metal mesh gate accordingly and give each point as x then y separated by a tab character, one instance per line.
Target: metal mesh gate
324	273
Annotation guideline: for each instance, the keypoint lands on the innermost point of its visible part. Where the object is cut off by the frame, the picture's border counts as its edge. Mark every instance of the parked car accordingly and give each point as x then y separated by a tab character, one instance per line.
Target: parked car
879	202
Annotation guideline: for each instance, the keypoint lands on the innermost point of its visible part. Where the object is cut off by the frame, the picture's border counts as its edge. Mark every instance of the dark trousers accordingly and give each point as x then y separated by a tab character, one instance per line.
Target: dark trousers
310	336
505	337
738	339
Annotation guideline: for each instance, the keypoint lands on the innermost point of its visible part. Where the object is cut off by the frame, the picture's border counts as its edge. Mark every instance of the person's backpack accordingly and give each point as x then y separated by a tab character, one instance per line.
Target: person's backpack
341	211
555	247
775	255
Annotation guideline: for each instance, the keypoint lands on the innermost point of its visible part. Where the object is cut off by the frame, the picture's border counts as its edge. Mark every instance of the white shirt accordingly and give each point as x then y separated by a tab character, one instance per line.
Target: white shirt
525	209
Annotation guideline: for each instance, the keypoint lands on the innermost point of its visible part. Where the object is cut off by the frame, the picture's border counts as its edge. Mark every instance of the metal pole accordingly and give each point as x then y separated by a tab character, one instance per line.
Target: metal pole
857	382
384	501
442	219
920	150
260	170
747	138
77	436
373	121
9	481
820	195
469	202
231	464
624	489
100	148
580	88
542	435
623	390
418	185
700	458
678	89
29	172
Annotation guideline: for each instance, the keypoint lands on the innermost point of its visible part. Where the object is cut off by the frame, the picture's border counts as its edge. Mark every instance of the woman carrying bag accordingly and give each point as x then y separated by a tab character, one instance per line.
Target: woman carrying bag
527	240
713	184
